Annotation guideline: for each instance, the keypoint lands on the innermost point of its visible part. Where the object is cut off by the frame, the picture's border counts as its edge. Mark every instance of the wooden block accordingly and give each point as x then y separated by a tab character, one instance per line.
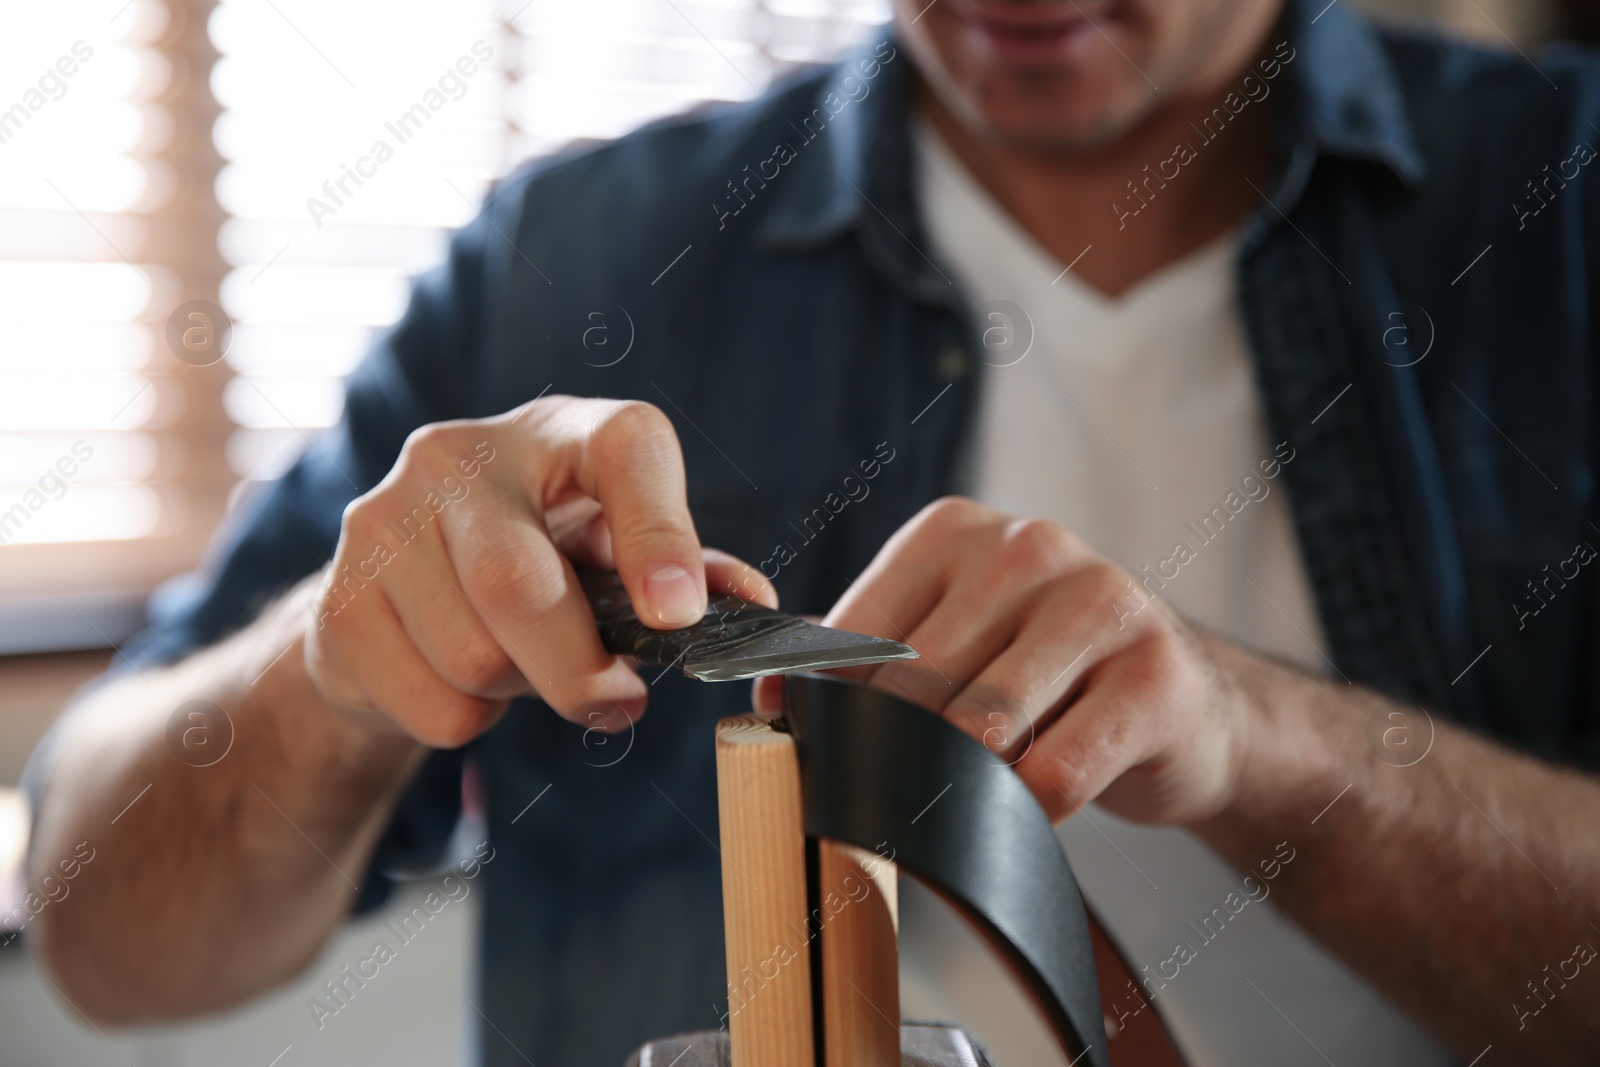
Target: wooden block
764	895
858	907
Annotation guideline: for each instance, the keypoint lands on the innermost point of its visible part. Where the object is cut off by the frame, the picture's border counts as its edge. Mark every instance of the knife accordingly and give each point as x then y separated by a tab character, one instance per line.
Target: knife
734	639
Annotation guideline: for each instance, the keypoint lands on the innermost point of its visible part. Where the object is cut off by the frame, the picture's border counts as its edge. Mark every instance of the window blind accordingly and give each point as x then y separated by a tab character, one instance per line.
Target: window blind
209	207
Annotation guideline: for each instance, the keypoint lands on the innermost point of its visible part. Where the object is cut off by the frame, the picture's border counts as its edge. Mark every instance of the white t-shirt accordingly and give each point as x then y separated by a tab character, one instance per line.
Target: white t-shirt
1136	422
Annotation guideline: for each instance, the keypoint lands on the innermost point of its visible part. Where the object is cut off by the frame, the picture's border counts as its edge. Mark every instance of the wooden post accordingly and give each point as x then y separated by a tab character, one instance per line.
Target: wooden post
859	904
771	923
764	895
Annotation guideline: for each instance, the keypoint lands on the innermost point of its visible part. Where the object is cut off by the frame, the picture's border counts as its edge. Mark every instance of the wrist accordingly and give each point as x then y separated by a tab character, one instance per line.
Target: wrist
1299	743
281	679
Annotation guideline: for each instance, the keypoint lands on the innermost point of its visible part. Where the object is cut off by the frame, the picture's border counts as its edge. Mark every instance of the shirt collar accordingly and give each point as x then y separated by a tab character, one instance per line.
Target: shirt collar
856	172
1344	95
854	157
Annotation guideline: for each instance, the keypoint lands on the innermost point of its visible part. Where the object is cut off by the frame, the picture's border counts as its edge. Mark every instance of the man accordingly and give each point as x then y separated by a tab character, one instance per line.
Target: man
1122	266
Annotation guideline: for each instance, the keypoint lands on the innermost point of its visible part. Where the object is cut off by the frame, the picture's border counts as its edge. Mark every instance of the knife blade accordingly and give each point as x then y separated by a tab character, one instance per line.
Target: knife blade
734	639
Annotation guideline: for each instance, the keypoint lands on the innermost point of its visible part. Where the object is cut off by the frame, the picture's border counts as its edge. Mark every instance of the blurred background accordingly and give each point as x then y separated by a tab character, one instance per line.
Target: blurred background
173	164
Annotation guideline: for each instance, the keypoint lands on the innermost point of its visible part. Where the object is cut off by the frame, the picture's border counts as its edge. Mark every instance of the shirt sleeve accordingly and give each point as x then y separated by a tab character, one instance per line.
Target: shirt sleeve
423	369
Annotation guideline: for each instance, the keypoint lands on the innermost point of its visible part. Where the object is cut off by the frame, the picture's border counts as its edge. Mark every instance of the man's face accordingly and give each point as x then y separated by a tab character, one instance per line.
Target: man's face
1069	75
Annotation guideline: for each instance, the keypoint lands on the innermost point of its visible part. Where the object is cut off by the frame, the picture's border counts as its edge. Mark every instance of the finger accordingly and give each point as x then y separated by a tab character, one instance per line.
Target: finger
978	617
444	626
383	663
530	601
1098	740
729	574
891	597
910	574
766	695
625	454
579	530
1113	743
886	601
1011	703
1065	631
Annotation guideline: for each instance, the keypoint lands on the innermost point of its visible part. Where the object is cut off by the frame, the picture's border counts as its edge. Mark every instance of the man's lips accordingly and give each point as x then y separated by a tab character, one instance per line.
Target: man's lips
1035	35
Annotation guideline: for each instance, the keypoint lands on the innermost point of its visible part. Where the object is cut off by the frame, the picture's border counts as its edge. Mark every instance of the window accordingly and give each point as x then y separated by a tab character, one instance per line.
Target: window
154	153
325	226
87	459
79	451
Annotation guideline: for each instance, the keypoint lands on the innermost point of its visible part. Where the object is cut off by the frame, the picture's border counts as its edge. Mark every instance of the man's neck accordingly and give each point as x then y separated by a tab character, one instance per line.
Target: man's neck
1138	203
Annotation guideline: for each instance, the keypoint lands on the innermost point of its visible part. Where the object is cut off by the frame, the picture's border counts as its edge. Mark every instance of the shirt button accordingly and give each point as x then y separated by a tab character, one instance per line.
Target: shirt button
951	364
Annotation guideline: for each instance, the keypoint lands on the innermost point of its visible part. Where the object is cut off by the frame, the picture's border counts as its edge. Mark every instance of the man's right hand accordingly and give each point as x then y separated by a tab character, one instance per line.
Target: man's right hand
453	590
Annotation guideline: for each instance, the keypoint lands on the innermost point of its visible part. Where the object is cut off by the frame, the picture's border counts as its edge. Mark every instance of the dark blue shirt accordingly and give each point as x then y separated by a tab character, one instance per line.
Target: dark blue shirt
766	266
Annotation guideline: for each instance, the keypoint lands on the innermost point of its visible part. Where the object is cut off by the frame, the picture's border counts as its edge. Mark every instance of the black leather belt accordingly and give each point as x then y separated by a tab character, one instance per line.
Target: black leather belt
881	774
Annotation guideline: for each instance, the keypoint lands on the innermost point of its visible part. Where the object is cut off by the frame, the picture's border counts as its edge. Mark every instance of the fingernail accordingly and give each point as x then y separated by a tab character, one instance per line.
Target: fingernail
674	595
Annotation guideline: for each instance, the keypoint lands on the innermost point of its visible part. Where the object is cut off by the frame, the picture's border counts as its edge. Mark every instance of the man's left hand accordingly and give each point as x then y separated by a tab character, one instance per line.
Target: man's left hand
1056	660
1060	662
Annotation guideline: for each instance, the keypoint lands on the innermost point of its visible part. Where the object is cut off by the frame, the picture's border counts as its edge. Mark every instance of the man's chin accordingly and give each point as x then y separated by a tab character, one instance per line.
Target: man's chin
1070	127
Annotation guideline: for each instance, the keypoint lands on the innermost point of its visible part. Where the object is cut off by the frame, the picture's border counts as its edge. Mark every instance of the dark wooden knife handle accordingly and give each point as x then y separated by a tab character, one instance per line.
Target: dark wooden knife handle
728	623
